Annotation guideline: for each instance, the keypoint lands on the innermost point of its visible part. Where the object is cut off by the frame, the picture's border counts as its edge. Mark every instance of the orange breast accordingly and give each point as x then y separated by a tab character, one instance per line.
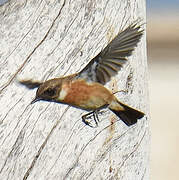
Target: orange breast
87	96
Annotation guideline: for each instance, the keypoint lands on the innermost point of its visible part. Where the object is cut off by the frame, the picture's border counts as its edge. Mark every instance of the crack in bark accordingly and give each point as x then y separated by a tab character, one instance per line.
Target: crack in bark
65	144
143	176
38	119
101	156
10	110
14	147
105	151
16	124
90	141
126	12
22	115
129	81
7	84
27	173
38	45
26	33
83	46
76	162
62	63
135	149
66	31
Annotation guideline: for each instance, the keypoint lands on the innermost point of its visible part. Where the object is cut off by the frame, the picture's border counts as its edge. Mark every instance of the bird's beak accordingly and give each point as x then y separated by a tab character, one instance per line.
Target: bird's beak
35	100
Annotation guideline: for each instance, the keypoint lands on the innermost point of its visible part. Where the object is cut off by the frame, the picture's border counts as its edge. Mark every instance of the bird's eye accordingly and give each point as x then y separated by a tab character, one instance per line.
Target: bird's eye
50	92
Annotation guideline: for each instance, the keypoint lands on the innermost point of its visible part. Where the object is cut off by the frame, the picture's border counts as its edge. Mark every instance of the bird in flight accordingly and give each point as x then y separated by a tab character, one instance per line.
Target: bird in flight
85	89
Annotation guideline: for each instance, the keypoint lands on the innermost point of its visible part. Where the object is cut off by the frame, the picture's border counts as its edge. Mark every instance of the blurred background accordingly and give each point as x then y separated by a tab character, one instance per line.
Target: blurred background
163	60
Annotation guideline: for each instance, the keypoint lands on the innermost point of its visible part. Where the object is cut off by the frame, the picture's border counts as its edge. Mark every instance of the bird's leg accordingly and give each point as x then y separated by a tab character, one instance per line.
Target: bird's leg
86	116
95	116
101	112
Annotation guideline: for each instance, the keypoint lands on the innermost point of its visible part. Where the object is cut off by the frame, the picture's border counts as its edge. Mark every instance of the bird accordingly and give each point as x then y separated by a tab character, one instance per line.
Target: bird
85	89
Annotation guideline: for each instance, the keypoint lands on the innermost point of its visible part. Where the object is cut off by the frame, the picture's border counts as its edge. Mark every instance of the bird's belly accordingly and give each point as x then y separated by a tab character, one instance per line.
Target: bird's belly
83	100
85	96
92	103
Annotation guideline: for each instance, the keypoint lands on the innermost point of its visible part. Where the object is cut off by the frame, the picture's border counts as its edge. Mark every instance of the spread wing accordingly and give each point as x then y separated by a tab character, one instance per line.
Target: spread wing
110	60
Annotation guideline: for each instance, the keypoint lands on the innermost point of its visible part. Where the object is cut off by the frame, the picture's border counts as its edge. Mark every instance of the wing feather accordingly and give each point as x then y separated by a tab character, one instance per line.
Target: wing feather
101	75
111	59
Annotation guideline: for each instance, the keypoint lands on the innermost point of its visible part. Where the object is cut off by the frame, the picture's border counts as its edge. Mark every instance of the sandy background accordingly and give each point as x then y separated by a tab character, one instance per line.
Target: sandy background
163	58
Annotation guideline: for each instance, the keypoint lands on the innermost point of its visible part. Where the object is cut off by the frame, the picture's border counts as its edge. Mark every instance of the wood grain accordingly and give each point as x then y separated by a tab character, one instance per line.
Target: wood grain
49	38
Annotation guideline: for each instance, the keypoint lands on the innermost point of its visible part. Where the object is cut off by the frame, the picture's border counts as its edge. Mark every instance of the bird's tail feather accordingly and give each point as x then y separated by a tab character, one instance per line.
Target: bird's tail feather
127	114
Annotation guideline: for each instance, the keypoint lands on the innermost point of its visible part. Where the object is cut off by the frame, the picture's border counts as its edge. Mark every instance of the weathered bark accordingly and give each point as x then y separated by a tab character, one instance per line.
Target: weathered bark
51	38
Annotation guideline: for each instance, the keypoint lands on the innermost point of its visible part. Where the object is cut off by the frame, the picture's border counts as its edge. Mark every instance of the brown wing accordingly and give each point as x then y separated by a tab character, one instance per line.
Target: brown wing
110	60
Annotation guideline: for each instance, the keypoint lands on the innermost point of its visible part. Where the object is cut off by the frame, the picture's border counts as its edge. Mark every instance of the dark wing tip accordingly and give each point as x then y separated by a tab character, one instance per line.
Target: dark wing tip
116	52
111	59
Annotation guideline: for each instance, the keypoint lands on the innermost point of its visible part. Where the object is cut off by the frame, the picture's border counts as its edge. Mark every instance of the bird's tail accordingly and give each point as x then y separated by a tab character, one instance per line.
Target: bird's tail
127	114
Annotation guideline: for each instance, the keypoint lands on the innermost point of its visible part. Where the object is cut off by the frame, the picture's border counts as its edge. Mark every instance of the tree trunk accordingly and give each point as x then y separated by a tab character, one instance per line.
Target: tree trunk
45	39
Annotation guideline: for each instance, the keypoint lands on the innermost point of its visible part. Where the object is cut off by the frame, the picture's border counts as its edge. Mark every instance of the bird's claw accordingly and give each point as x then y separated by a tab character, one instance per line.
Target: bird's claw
86	121
88	116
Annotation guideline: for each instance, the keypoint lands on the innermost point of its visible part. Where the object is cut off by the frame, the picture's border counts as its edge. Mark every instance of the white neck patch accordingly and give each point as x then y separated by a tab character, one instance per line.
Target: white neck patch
62	94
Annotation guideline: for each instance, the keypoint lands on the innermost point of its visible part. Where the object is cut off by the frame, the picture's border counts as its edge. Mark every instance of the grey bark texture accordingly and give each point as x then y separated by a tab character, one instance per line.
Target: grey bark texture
50	38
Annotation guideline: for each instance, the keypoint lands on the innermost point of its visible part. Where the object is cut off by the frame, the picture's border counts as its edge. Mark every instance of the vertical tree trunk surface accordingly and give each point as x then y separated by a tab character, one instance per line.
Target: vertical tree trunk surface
51	38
